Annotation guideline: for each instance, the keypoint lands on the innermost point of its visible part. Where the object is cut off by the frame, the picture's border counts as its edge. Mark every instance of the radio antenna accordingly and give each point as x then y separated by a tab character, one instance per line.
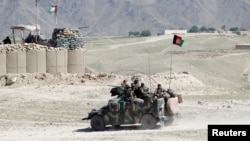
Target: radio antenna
170	71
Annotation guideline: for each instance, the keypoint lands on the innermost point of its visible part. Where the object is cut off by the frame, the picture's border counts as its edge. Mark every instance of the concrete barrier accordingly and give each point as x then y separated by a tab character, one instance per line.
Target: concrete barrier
3	69
16	61
56	61
36	61
76	62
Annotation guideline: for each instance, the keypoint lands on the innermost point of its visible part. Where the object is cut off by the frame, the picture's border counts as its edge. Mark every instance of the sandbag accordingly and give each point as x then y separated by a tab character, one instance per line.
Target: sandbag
172	105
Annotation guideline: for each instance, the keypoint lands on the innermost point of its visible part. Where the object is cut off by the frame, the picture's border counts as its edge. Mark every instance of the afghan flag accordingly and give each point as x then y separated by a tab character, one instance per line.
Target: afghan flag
178	40
53	9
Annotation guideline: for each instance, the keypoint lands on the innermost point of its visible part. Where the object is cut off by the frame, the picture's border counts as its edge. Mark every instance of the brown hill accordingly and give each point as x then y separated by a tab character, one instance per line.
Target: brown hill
110	17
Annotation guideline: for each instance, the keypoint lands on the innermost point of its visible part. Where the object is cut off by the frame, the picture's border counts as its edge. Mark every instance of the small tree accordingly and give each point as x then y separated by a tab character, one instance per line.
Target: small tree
145	33
135	33
203	29
243	29
130	33
234	29
211	29
193	29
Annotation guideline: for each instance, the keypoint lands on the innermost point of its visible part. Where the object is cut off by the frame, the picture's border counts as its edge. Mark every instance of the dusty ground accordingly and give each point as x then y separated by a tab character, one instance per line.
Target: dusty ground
50	107
38	111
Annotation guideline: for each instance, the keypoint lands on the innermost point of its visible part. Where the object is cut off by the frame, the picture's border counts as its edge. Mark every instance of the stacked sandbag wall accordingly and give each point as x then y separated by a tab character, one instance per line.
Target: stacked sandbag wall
2	60
36	58
76	62
56	60
16	59
69	38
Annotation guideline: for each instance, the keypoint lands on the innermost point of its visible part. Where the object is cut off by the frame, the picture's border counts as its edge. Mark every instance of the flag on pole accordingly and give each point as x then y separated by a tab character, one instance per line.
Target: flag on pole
53	9
178	40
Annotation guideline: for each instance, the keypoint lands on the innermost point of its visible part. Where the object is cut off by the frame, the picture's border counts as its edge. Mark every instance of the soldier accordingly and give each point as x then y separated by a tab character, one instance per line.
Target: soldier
161	93
129	95
124	84
7	40
136	87
143	91
132	86
136	98
136	84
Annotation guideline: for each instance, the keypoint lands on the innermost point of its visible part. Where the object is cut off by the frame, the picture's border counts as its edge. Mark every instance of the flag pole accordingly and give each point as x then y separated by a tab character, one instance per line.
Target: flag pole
36	21
56	13
177	40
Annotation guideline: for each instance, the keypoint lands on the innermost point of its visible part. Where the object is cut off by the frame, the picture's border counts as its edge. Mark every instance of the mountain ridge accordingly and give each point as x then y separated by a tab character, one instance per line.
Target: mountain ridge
112	17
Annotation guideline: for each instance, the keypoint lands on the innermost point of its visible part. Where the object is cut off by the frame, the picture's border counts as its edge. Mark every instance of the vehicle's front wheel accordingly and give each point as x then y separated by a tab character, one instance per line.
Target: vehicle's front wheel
148	121
97	123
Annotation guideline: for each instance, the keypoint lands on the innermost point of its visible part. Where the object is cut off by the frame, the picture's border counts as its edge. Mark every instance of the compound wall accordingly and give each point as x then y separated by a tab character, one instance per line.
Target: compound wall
3	62
33	58
16	61
76	61
36	61
56	61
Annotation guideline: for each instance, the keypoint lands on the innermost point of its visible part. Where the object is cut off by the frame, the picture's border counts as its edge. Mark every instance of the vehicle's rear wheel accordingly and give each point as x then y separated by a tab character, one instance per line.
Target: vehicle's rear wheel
148	121
97	123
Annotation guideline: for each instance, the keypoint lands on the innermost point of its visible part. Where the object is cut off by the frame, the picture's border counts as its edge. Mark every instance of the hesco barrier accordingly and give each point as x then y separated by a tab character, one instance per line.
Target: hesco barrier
16	61
76	61
3	62
32	58
36	61
56	61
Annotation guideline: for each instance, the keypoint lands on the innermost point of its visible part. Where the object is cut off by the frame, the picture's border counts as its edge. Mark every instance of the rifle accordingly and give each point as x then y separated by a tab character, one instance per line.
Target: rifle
83	27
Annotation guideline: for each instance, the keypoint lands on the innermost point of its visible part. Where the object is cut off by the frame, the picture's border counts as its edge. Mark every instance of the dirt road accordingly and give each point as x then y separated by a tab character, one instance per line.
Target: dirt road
41	112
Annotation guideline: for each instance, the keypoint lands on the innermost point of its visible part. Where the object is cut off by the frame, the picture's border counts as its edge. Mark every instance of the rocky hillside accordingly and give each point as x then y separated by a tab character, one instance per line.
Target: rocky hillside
118	17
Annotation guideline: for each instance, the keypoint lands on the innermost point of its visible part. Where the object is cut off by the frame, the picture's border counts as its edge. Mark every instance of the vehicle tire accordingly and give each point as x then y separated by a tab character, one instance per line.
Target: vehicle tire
97	123
169	121
148	121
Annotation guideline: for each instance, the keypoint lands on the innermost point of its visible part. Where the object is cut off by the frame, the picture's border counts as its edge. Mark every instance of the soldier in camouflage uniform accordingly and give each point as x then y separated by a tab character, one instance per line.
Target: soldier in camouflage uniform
161	93
143	91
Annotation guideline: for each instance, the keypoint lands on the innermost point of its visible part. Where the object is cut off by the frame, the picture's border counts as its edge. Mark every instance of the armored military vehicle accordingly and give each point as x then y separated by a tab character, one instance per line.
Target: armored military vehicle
124	110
